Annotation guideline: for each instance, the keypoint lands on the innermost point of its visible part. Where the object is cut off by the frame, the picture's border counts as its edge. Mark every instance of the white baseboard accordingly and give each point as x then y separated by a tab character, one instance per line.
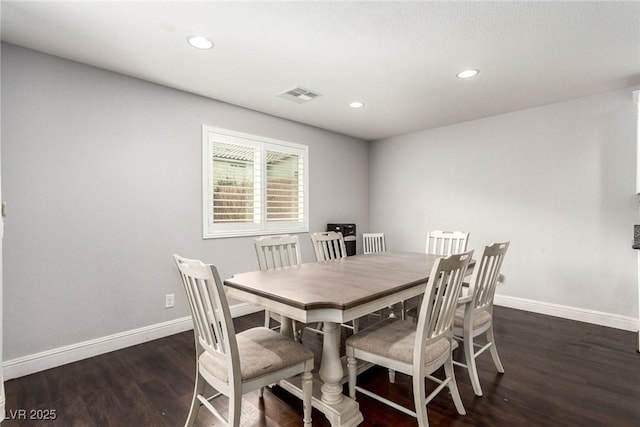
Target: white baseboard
243	309
568	312
32	363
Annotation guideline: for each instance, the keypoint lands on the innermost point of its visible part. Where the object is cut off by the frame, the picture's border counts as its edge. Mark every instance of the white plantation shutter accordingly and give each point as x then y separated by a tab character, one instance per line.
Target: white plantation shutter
253	185
285	174
236	197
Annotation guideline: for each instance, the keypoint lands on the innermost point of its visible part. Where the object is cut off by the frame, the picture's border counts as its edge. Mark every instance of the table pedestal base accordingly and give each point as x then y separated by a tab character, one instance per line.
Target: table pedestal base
345	413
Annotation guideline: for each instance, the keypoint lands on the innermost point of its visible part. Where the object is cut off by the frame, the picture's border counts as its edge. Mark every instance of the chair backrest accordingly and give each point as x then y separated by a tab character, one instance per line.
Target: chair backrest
373	242
212	323
439	302
277	251
328	245
484	279
446	243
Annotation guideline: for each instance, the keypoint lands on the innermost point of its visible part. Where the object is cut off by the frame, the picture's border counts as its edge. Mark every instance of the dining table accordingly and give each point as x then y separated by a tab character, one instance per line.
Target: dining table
331	293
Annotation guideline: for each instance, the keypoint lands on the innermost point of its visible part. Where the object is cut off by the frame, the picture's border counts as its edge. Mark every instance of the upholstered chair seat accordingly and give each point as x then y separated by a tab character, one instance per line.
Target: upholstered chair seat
262	352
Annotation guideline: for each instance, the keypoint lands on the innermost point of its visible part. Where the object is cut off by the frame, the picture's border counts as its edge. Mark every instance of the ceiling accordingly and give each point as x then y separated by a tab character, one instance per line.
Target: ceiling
399	58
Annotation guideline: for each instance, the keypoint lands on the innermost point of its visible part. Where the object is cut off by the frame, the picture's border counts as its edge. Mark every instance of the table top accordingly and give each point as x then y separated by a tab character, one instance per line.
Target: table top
338	284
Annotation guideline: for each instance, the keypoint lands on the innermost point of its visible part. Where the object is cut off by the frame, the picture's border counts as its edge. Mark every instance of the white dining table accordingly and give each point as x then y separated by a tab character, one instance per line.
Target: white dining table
334	292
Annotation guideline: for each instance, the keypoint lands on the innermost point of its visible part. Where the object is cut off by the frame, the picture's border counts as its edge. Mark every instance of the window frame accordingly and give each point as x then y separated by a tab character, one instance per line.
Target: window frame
211	230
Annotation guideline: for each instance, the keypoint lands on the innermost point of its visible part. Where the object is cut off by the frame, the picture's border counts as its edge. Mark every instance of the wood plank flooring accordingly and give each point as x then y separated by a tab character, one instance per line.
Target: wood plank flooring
557	373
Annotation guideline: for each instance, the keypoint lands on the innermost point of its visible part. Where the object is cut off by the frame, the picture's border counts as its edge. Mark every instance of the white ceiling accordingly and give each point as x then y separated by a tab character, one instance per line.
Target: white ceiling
399	58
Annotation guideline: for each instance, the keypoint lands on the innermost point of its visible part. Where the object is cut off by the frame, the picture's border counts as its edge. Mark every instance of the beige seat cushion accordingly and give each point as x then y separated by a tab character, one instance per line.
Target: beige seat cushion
479	319
262	351
395	338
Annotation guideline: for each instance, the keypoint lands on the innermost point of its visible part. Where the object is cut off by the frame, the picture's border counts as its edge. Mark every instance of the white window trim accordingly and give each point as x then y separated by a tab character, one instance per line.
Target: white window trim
211	231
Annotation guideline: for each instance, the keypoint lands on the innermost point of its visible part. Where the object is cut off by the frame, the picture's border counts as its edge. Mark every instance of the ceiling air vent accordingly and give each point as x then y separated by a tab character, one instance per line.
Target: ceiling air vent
299	95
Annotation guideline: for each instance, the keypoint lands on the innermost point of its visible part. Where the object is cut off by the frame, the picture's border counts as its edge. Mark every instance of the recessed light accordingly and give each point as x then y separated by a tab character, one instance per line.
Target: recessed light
356	104
466	74
200	42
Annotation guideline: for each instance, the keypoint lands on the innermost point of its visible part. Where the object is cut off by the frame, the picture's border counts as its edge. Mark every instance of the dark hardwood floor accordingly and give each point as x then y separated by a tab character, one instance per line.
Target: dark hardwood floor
557	373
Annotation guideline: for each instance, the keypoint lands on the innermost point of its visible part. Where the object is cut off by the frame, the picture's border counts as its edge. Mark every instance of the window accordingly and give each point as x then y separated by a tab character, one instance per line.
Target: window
253	185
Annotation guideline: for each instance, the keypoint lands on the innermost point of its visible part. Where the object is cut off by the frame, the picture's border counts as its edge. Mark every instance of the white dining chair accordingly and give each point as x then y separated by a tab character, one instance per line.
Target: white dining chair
474	316
373	242
444	243
277	252
329	245
235	364
399	346
440	242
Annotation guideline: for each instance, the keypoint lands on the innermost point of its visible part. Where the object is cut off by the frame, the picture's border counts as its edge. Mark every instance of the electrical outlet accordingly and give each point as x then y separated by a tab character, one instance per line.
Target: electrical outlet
169	300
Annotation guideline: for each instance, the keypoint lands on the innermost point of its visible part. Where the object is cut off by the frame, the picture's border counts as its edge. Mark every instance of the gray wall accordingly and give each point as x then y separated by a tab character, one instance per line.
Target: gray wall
557	181
102	176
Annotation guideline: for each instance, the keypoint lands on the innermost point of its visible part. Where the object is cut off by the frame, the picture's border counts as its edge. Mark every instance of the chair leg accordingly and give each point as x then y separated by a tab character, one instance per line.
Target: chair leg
297	331
307	389
356	326
470	360
352	368
453	386
494	350
392	376
195	402
267	319
419	399
235	408
418	304
385	312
